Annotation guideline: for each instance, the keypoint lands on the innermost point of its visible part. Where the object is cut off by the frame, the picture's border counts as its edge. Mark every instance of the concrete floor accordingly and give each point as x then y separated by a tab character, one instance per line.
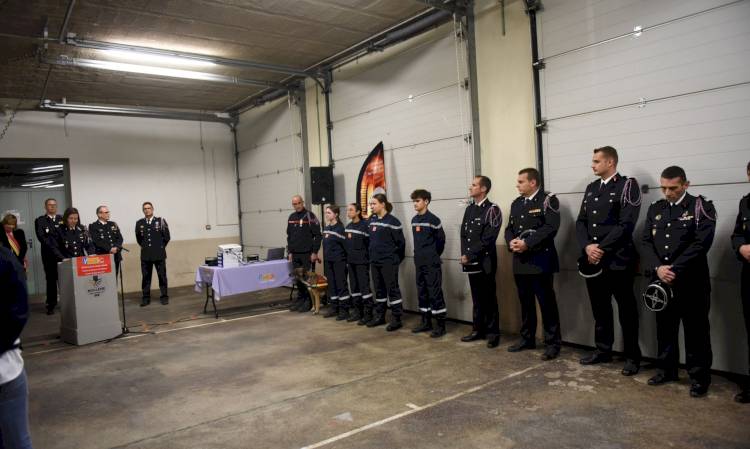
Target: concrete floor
261	377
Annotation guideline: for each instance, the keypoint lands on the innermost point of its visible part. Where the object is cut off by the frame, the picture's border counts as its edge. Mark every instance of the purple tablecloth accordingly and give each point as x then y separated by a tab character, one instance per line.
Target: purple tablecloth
245	278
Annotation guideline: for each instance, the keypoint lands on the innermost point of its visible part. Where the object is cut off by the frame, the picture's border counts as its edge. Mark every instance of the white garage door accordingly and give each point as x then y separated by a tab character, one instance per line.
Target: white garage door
271	167
666	83
416	103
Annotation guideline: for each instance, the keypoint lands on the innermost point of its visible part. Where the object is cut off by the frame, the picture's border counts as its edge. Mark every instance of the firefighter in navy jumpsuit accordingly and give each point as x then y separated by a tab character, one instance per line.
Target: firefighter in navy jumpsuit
429	243
387	250
358	260
303	242
334	258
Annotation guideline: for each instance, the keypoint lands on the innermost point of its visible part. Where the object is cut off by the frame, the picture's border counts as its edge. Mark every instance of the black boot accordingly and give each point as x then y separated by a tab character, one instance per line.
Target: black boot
425	325
439	330
366	315
355	314
395	323
378	315
343	311
333	309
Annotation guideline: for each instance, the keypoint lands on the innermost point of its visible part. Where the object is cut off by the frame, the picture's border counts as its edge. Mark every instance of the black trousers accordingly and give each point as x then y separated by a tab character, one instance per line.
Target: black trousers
302	260
601	290
387	291
338	292
486	317
430	289
359	284
50	273
745	289
161	272
690	304
540	286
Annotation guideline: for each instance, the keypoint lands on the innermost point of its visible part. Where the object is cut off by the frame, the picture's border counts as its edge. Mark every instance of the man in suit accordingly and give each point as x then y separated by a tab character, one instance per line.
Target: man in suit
106	236
604	230
530	235
152	234
46	232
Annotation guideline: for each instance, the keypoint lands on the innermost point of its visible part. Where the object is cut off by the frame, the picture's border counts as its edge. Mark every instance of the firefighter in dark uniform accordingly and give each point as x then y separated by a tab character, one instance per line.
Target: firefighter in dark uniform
152	235
106	236
741	246
46	227
387	251
71	239
479	231
358	265
334	258
429	243
303	243
530	235
677	236
604	230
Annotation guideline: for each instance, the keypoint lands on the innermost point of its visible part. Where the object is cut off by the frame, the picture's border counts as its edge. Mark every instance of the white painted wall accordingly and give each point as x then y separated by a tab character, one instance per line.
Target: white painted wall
124	161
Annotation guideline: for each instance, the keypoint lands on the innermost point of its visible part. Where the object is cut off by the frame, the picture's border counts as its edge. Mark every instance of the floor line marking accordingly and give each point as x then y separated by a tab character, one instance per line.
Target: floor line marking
398	416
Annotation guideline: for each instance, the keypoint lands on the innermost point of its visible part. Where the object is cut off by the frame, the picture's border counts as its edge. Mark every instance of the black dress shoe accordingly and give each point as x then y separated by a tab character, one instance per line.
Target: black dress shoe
493	341
50	311
164	301
631	368
550	354
662	378
595	358
473	336
743	397
145	302
521	345
698	390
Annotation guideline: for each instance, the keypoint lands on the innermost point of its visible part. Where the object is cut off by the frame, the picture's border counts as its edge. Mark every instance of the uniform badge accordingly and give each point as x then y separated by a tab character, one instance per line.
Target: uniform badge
657	217
374	228
46	230
419	228
590	193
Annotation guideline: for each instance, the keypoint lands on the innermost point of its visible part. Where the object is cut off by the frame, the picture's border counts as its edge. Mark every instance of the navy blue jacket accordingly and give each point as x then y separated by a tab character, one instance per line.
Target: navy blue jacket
105	237
741	233
608	215
429	239
536	222
303	233
680	236
357	242
14	305
71	243
334	249
46	233
479	230
387	244
153	238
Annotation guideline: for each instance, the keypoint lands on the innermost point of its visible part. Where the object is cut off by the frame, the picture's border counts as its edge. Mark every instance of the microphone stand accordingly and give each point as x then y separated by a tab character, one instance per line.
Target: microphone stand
125	329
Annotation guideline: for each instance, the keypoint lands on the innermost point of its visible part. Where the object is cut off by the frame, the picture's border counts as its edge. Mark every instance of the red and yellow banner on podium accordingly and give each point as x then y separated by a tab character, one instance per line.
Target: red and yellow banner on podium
93	265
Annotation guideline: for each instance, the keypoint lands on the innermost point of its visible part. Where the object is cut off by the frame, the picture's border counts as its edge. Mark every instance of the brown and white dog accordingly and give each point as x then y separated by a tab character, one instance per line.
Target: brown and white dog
316	284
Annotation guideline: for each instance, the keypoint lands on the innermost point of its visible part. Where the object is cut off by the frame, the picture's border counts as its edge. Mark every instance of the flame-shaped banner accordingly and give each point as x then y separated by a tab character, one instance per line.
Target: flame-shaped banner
371	178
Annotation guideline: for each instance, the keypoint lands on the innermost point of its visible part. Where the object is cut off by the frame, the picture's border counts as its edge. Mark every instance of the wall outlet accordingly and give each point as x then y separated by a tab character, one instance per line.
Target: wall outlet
208	227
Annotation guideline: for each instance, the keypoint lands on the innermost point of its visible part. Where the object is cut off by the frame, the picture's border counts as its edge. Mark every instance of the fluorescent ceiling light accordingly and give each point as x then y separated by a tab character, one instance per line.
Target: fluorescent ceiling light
158	60
36	184
47	167
52	186
49	170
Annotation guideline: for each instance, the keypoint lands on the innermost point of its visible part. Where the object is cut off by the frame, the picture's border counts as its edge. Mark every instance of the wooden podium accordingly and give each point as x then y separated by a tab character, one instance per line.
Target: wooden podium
88	299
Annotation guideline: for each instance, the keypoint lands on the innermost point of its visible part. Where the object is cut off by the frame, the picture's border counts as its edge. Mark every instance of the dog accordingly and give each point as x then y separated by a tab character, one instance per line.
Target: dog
316	285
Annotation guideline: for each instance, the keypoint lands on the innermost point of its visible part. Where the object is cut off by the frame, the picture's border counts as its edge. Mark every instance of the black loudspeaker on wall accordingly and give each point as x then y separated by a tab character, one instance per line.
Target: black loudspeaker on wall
321	180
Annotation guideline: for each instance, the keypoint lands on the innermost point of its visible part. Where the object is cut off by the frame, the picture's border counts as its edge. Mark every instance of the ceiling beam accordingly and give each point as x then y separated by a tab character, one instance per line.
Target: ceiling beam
66	21
49	105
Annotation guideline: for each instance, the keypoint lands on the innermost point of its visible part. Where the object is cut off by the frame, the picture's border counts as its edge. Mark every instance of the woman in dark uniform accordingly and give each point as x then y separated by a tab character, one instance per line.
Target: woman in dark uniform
72	238
387	248
334	257
358	263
